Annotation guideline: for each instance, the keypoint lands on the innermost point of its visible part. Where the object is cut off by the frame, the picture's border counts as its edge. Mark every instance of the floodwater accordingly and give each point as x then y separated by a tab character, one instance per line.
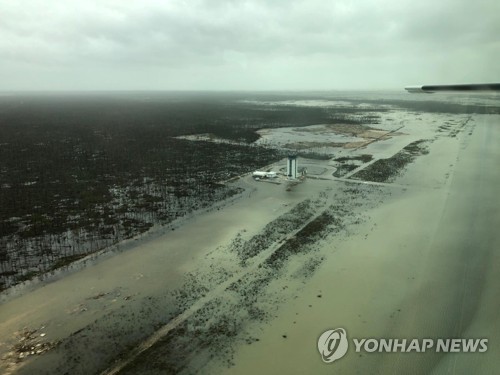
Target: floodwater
416	257
423	266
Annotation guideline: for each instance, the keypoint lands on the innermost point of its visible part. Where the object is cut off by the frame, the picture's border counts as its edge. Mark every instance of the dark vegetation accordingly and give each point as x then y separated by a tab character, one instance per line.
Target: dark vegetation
365	158
314	230
348	164
277	229
79	172
384	170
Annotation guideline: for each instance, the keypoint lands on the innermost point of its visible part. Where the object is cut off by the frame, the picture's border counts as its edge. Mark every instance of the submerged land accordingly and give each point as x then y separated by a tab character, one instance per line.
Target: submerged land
189	266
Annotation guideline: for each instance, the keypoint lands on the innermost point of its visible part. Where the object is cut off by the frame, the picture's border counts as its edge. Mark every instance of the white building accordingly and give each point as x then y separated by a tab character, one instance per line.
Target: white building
261	174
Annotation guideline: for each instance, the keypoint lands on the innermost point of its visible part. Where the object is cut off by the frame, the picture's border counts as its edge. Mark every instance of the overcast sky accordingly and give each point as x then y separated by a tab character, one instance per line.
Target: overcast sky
246	45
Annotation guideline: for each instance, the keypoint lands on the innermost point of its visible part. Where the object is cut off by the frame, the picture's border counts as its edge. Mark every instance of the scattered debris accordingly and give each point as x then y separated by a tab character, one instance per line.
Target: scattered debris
29	343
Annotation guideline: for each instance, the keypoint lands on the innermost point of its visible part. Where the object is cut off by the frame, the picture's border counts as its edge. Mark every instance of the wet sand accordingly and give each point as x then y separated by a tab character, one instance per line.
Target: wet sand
414	259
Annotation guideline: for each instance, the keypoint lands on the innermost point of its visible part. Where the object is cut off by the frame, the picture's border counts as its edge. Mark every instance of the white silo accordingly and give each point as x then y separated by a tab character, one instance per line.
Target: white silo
291	166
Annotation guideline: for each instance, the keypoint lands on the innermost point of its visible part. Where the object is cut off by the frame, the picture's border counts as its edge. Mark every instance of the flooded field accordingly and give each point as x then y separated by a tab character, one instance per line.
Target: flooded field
391	232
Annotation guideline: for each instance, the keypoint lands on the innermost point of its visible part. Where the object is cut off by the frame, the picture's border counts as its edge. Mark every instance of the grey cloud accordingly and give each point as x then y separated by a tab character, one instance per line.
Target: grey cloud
231	38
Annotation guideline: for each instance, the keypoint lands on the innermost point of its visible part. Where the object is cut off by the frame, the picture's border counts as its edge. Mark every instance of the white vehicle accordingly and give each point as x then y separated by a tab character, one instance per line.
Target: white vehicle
261	174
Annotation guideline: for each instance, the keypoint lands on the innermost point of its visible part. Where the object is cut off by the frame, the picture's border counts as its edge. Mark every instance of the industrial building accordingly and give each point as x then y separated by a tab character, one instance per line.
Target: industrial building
261	174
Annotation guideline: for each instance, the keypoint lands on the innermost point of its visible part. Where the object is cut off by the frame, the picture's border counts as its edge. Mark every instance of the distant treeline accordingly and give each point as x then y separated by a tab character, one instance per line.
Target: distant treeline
159	115
440	105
